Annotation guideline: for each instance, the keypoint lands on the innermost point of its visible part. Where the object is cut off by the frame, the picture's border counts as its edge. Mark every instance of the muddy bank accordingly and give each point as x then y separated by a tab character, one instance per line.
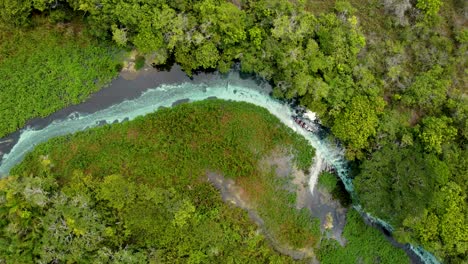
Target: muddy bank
321	204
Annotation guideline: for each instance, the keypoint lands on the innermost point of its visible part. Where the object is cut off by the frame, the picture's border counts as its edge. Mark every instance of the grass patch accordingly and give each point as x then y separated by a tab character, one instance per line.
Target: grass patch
47	68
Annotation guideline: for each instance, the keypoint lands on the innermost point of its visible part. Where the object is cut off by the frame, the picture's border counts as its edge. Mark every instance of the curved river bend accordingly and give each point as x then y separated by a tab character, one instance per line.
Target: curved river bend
122	102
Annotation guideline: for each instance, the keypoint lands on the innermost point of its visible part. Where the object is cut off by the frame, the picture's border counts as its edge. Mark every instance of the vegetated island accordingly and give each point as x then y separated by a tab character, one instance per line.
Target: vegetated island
152	190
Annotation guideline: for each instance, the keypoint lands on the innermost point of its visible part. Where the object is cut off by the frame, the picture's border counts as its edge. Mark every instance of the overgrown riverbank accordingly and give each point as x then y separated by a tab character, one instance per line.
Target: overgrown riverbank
149	175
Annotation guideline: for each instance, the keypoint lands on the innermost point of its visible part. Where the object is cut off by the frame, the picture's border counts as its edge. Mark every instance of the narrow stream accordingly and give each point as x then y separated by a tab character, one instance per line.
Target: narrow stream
126	100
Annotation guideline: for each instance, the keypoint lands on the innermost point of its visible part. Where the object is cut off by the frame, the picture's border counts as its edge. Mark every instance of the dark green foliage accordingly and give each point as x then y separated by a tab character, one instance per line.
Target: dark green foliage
418	194
333	185
405	178
328	181
46	69
419	148
139	62
364	245
137	191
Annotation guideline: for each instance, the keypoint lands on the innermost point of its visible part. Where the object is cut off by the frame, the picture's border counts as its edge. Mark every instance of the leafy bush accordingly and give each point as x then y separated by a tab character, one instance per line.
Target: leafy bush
430	7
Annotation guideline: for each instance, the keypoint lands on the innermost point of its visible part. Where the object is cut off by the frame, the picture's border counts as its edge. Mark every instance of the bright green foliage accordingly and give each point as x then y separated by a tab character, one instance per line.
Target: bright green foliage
207	55
145	41
462	36
358	122
430	7
255	35
225	21
437	131
364	245
42	5
46	69
313	51
344	7
119	35
18	13
304	55
138	192
15	12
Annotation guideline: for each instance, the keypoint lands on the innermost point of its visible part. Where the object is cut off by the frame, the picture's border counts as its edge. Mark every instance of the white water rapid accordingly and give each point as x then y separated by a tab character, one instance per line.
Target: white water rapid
232	88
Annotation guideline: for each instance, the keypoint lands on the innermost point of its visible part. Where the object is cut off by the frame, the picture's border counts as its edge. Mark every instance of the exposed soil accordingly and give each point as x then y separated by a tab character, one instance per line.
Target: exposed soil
331	213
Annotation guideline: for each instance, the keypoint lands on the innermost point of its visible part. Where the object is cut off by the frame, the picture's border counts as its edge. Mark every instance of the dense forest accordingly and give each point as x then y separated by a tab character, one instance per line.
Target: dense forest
389	77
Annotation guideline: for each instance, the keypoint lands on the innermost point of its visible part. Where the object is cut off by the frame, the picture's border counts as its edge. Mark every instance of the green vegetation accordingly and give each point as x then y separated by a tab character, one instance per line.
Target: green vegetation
387	76
48	68
328	181
430	7
138	191
335	187
364	244
291	227
139	62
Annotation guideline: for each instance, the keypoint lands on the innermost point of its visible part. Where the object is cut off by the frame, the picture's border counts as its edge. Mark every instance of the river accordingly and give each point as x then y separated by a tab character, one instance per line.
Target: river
151	89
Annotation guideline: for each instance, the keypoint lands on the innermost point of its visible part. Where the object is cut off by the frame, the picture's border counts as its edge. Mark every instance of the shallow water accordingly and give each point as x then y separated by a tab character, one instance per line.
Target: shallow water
126	100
